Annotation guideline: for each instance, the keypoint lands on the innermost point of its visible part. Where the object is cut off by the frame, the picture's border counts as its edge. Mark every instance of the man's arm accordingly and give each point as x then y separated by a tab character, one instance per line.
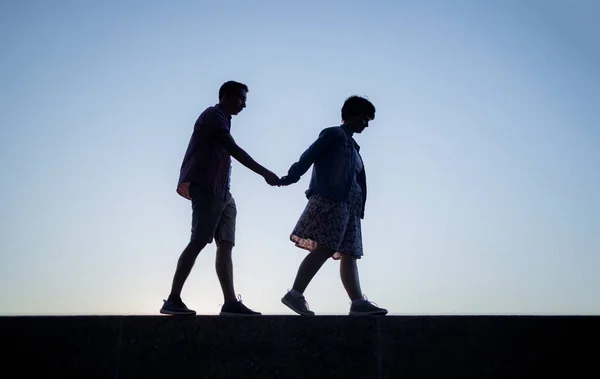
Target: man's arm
326	138
217	127
244	158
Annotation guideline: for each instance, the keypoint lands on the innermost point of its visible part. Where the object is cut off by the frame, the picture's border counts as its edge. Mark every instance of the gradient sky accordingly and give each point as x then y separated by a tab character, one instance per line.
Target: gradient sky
482	161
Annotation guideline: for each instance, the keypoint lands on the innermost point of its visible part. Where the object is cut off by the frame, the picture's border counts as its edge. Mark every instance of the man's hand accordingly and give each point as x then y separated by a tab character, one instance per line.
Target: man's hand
272	179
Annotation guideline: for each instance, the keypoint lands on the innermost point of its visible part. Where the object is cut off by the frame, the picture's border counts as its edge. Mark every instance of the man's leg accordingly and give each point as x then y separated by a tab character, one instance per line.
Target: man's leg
206	211
174	305
225	238
184	266
224	268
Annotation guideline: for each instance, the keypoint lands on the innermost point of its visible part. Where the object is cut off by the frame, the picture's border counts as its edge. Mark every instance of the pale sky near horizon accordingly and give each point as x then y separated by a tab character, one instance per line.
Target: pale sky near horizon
482	161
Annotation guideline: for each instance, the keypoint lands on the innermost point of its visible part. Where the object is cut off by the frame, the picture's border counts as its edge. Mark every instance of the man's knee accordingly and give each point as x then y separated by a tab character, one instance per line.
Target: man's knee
195	247
224	247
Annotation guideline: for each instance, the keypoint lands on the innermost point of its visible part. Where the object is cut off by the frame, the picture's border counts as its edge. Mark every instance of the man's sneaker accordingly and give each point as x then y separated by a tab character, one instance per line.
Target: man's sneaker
237	308
175	307
298	304
366	308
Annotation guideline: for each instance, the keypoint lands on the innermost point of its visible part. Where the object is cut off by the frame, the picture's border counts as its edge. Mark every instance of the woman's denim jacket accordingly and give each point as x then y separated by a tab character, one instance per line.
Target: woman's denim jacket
334	166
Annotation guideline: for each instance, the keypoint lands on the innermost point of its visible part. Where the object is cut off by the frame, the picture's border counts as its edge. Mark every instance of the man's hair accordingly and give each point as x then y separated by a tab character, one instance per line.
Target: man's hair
356	106
231	88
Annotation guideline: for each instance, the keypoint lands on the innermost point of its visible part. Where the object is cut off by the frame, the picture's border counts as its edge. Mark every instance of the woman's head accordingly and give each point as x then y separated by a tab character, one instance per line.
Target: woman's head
357	112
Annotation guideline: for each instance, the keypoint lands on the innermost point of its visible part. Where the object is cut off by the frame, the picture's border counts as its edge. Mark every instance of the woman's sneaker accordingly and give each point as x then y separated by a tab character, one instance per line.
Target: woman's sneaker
173	306
364	307
298	304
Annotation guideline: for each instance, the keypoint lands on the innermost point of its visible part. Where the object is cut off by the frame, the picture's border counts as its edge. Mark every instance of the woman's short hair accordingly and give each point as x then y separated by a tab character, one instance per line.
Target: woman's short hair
356	106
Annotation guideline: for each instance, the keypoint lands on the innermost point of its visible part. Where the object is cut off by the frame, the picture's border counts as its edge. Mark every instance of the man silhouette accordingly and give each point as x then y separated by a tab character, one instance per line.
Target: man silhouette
204	179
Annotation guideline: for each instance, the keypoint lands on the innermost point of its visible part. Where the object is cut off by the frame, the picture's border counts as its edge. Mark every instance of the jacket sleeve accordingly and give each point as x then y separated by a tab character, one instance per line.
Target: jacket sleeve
326	139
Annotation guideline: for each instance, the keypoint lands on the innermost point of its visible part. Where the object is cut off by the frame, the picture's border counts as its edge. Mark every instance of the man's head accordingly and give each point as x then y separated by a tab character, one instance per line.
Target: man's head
232	96
357	112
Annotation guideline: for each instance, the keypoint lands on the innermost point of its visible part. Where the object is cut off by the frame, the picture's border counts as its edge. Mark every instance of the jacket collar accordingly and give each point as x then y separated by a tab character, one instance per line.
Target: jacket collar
349	134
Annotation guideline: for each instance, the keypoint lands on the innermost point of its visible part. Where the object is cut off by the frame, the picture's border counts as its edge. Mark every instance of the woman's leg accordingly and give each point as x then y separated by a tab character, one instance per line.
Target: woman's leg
349	275
310	266
360	304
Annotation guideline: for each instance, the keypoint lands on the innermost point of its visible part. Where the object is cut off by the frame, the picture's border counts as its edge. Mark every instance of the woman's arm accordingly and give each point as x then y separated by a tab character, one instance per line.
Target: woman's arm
326	139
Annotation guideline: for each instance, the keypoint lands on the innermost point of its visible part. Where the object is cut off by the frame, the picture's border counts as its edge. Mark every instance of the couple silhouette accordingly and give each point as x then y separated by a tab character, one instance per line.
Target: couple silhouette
329	226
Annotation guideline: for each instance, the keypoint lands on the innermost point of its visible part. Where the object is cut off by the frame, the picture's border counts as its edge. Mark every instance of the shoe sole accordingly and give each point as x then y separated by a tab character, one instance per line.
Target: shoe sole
372	313
175	313
289	305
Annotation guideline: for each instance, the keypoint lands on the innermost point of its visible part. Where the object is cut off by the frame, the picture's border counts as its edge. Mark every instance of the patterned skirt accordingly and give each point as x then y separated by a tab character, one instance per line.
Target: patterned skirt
331	223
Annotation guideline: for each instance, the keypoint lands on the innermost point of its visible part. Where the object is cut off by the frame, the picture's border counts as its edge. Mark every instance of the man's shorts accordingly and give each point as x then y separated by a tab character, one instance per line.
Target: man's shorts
212	218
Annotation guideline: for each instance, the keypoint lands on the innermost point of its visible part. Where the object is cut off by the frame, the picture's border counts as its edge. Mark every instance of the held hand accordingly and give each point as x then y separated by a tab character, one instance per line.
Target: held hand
272	179
284	181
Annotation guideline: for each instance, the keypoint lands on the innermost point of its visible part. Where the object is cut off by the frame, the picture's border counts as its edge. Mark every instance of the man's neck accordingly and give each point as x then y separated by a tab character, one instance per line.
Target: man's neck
224	109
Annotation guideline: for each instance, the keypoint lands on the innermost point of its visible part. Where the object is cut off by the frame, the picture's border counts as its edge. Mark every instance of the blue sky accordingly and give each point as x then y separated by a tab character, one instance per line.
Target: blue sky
481	161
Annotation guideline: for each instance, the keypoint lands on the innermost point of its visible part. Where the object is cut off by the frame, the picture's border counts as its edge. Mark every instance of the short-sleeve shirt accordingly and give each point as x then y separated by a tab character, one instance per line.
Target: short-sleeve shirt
207	163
